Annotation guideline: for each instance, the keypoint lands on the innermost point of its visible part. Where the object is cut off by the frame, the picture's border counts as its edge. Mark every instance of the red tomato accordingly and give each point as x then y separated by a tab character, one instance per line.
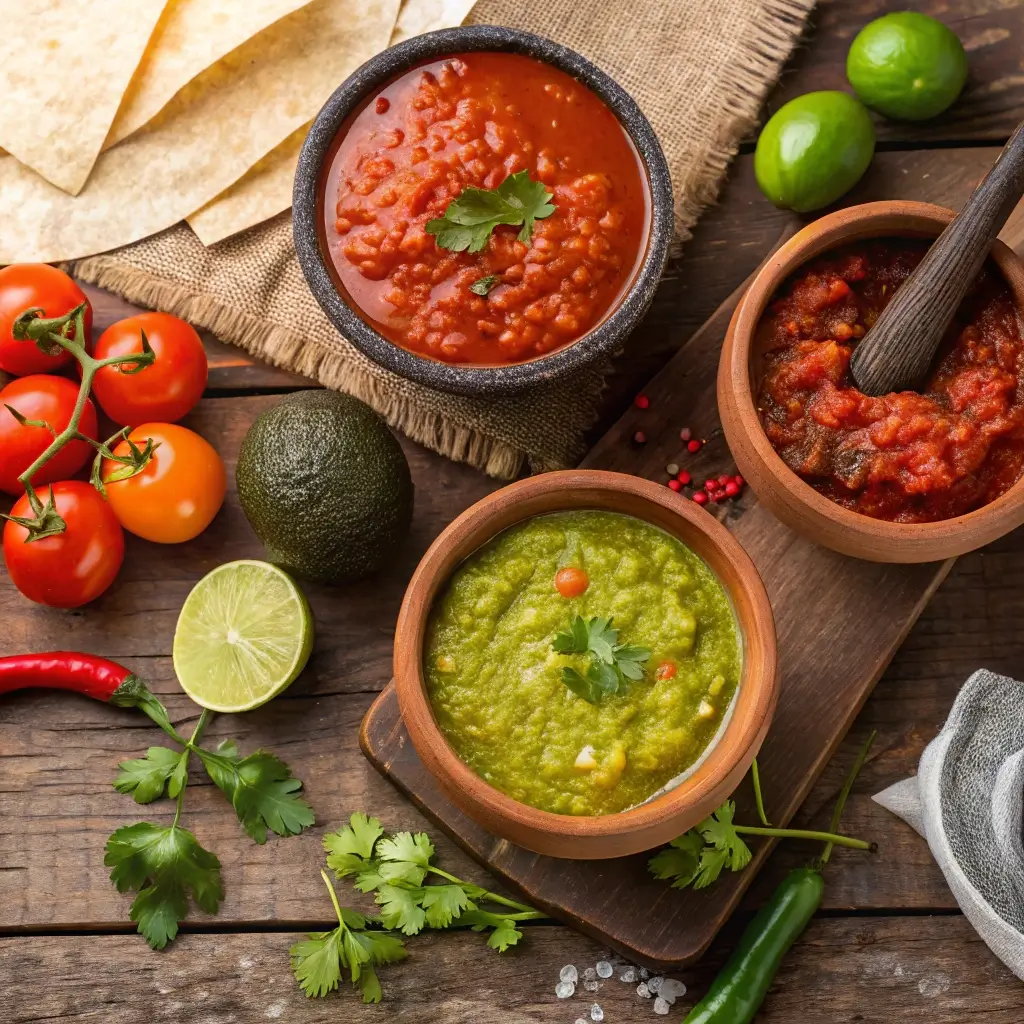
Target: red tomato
571	582
71	568
35	286
178	493
163	392
50	400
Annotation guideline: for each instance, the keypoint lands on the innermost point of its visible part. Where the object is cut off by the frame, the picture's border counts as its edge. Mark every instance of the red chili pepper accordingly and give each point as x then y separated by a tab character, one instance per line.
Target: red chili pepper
83	673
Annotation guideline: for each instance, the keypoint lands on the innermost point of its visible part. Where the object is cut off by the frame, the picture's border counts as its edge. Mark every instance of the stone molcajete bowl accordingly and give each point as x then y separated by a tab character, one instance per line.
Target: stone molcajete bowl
728	758
308	214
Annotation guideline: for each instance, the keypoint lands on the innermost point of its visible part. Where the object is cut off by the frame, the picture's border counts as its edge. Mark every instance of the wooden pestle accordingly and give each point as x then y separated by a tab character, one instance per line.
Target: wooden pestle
896	353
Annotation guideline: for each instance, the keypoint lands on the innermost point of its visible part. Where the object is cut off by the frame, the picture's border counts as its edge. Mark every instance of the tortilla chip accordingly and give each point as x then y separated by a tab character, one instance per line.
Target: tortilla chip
210	134
64	66
264	192
419	16
190	36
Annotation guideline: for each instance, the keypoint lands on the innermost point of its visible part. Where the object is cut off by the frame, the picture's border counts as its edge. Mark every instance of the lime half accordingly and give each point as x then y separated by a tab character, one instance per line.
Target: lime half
243	635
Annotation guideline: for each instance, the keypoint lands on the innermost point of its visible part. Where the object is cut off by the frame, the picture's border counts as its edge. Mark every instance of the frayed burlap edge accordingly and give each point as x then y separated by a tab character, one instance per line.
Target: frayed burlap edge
763	52
300	354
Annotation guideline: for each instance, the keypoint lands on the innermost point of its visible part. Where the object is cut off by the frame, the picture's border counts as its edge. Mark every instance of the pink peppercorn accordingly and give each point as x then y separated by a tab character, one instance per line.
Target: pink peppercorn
675	485
700	497
640	437
685	434
642	401
724	479
693	446
738	480
710	485
684	478
731	490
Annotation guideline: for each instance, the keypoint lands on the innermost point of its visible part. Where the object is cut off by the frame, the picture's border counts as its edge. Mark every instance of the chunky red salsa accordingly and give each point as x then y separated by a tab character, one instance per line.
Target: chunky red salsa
473	120
907	457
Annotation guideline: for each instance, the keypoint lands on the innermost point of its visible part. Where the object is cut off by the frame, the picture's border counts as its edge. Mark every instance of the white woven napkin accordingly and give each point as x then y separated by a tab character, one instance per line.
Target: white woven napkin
967	800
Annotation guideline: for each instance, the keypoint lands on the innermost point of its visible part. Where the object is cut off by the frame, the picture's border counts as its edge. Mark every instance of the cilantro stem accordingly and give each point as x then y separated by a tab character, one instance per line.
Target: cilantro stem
334	897
189	745
845	792
755	778
799	833
491	897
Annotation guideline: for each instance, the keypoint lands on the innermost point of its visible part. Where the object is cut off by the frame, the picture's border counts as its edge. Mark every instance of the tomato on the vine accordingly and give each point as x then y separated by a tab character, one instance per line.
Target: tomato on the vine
72	568
35	286
175	497
162	392
48	400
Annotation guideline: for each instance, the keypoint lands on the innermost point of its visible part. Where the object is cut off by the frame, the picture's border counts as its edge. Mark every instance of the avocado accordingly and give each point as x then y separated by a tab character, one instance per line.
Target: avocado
325	485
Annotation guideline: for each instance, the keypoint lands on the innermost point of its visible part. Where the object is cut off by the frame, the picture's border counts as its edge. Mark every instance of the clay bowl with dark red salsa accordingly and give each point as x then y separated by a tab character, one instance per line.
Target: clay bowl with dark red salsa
912	476
480	209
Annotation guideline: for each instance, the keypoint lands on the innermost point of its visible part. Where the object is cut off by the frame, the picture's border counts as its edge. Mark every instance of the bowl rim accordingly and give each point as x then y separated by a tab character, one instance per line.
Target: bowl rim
753	704
841	227
456	378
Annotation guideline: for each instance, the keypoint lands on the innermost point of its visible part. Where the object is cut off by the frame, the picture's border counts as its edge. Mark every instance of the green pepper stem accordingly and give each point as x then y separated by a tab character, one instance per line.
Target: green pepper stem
799	833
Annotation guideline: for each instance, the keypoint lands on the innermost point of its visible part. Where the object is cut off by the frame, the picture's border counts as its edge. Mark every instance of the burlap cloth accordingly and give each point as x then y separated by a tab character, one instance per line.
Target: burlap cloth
699	70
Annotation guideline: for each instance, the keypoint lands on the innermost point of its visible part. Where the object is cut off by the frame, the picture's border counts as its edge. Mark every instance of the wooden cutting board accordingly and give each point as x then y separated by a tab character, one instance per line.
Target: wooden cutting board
839	623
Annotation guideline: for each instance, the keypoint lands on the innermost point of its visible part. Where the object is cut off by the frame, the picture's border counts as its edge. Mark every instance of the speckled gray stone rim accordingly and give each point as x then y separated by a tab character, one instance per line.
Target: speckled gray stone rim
476	380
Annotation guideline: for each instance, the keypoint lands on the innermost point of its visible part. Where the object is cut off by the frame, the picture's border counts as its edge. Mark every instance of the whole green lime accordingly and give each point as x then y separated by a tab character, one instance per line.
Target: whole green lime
325	486
907	65
813	150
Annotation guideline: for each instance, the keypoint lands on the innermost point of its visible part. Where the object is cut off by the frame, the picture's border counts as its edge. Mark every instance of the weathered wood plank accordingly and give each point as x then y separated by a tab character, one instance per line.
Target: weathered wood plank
846	971
992	32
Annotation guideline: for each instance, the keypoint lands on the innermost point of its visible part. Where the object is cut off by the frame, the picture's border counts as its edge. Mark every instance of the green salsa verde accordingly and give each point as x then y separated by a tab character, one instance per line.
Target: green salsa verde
495	682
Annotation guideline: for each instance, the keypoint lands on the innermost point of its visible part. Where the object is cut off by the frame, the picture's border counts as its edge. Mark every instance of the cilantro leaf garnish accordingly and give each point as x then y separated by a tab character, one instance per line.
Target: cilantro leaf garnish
611	665
261	789
164	865
146	777
472	216
350	849
484	284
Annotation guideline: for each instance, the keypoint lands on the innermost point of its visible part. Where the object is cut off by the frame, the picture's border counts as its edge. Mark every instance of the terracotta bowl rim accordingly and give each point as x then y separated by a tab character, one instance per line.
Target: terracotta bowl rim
790	256
756	694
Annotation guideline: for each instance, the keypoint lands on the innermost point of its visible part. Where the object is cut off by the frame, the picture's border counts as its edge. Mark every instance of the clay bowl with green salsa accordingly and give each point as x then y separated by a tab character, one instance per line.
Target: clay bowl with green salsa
586	663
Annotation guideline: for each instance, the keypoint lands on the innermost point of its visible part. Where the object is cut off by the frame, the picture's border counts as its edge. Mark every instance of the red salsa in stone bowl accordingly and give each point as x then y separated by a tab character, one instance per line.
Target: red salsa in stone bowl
480	209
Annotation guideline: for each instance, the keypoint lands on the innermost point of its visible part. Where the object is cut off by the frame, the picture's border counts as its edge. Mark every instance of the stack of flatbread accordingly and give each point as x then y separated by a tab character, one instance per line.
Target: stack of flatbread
122	117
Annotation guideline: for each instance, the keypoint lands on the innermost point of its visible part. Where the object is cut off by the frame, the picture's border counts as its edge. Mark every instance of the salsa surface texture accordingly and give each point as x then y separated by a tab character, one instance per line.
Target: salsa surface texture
472	120
495	682
907	457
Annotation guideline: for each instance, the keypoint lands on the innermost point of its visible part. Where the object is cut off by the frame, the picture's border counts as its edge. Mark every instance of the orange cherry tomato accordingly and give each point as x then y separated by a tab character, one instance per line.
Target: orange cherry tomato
164	391
666	670
571	582
178	493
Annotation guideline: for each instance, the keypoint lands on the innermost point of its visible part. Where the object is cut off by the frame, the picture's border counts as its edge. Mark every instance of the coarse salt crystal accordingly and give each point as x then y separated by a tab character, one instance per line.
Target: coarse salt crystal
655	984
671	989
589	974
661	1005
644	974
643	991
591	986
604	969
564	989
568	973
596	1013
628	975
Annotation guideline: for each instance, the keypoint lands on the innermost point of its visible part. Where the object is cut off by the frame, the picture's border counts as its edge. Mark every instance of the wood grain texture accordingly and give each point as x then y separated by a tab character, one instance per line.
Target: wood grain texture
992	32
845	971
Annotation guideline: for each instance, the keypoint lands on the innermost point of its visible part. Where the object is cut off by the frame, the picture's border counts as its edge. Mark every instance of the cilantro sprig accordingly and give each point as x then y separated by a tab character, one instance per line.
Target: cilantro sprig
358	944
166	865
699	856
471	217
612	665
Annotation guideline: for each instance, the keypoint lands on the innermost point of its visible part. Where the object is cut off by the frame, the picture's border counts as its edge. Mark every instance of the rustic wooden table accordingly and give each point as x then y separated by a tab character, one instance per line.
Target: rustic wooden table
889	943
